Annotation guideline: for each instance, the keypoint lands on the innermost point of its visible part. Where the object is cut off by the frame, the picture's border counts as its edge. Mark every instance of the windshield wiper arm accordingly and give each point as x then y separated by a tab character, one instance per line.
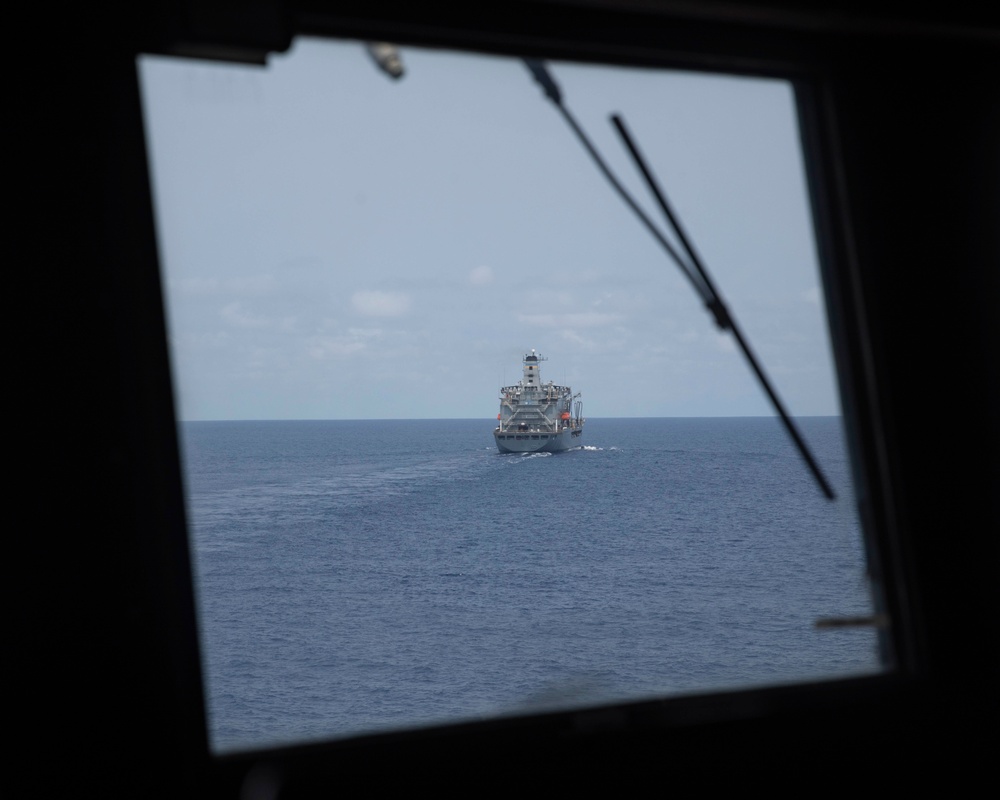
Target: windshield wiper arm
694	269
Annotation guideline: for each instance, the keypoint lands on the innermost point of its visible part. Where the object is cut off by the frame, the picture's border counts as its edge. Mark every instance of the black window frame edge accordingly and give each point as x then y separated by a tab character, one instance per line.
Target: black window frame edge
130	625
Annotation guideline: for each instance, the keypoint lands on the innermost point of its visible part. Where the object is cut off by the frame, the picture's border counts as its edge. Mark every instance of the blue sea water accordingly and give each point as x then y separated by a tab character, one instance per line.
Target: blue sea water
361	576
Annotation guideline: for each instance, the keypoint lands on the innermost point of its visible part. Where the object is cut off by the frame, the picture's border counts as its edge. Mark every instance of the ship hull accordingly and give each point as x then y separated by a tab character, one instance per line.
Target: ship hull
533	442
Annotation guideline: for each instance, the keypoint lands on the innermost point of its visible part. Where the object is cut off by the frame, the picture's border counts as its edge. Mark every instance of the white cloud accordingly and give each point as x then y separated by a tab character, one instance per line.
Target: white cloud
812	295
356	340
332	348
238	317
381	304
235	315
481	276
725	343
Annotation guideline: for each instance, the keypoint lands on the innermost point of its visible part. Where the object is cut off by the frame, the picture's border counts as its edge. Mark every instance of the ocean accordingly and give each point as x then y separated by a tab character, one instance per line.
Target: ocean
361	576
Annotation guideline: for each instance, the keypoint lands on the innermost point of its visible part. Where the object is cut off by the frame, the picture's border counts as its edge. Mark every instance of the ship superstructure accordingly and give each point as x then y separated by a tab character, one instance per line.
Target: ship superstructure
535	416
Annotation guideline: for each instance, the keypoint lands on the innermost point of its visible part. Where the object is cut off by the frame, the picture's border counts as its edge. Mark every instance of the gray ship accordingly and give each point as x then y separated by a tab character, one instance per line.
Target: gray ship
538	417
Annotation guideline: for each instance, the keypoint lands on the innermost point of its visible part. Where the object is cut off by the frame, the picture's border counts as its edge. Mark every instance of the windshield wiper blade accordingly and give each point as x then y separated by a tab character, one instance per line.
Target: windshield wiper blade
692	267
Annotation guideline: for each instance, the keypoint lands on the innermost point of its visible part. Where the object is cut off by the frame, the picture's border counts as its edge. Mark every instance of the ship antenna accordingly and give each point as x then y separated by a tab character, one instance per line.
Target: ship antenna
693	269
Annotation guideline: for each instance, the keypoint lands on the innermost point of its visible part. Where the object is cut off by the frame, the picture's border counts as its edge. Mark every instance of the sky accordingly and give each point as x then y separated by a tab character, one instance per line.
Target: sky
336	244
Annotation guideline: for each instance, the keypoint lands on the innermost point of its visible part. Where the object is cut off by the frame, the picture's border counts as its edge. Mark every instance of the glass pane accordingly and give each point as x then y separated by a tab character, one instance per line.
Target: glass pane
355	265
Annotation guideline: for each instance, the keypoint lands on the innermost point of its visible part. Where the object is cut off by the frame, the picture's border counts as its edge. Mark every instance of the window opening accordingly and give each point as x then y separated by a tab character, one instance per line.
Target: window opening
360	555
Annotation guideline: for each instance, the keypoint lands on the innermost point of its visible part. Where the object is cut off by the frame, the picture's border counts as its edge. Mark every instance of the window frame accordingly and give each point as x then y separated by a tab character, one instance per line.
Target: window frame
929	639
